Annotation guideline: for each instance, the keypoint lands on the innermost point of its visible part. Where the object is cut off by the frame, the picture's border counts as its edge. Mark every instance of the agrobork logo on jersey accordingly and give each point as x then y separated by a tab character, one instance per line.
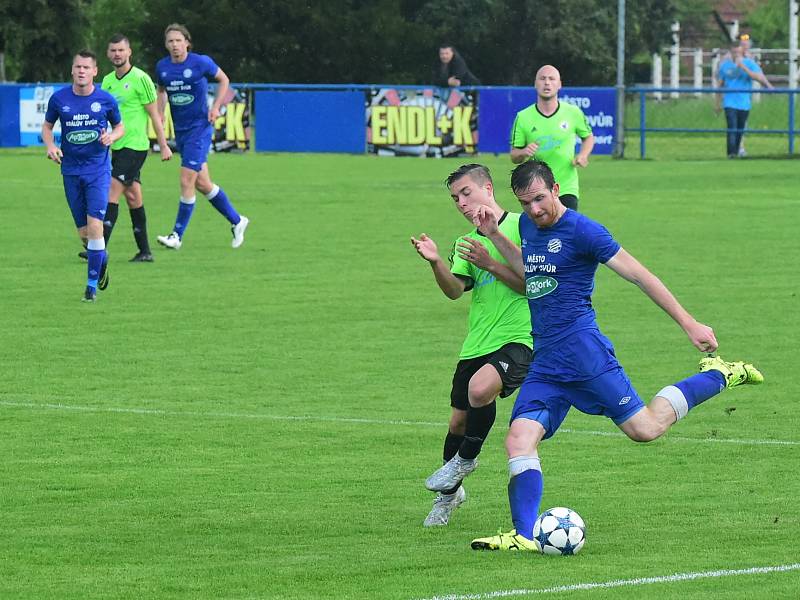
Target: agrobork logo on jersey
539	285
181	99
82	136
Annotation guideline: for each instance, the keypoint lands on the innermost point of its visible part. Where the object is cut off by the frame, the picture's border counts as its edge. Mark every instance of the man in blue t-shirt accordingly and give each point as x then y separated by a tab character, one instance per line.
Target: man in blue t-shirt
735	74
574	363
182	78
85	111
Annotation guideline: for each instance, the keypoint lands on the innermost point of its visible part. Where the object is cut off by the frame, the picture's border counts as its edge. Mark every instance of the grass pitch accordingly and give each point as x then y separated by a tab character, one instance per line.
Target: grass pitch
258	423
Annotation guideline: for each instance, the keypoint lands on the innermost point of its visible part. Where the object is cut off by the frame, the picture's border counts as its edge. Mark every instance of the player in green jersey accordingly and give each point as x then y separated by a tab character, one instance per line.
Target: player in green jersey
546	131
136	95
497	351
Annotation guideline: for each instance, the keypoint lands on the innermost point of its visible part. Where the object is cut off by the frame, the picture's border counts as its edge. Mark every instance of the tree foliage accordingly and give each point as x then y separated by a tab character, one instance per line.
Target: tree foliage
349	41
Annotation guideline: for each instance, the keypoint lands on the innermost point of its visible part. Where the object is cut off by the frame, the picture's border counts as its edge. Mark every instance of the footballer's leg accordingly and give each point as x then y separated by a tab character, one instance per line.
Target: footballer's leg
133	196
220	201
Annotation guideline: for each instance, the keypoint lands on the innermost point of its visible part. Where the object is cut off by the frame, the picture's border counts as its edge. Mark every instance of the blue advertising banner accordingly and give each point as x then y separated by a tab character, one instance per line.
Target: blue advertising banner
499	106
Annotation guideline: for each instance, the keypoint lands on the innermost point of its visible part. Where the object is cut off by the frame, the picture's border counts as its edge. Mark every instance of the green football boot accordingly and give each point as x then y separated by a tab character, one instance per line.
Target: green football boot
505	541
735	373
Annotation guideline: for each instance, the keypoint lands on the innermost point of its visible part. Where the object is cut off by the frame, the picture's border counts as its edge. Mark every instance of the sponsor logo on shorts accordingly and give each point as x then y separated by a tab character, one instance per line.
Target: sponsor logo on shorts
539	285
624	400
95	106
181	99
554	245
82	136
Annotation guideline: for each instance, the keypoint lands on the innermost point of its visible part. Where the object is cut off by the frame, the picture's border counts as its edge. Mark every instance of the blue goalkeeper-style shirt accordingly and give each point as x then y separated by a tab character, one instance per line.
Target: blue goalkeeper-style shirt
83	120
560	264
734	78
186	84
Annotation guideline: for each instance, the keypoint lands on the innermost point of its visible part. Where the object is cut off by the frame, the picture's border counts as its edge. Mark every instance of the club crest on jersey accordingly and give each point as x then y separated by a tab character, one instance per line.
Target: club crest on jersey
564	125
554	245
187	73
539	285
95	107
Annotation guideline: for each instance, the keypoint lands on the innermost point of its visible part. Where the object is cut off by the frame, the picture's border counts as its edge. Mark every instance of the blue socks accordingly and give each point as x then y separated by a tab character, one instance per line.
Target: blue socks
694	390
96	252
525	493
219	200
185	210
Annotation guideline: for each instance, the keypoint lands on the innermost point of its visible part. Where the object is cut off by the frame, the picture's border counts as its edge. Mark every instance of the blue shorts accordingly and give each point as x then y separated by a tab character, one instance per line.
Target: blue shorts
548	402
193	146
87	195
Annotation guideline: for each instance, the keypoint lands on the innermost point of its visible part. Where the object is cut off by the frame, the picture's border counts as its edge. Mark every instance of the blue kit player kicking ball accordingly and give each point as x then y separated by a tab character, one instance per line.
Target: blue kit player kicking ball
85	111
182	79
574	364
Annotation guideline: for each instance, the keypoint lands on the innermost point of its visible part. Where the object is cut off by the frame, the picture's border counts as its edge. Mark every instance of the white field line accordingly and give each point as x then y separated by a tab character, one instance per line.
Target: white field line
352	420
677	577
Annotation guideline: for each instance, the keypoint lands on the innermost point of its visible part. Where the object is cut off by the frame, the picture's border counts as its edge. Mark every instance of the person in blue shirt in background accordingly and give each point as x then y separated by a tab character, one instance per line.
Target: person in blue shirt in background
735	74
182	79
85	112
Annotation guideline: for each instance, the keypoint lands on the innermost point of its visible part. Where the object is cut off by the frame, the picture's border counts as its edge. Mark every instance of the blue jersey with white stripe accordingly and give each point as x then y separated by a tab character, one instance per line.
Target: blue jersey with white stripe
560	264
83	120
186	84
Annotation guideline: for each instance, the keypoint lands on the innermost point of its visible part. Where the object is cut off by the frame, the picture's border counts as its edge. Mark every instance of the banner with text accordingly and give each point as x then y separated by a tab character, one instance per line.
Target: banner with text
422	122
231	129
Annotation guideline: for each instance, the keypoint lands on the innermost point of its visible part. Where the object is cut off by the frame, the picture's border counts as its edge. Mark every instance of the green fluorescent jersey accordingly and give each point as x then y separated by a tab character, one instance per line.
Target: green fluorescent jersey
556	138
497	315
132	92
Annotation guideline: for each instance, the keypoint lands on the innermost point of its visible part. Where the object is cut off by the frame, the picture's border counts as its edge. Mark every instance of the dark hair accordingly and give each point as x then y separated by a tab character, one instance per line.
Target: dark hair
447	45
478	173
524	175
118	38
86	53
180	29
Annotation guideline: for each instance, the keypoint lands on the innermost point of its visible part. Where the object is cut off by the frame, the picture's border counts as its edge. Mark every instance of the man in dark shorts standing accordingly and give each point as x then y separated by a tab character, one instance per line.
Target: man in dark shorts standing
497	351
135	93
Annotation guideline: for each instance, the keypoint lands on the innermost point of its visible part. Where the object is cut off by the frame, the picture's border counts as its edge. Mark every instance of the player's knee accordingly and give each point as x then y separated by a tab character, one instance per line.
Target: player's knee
646	432
518	444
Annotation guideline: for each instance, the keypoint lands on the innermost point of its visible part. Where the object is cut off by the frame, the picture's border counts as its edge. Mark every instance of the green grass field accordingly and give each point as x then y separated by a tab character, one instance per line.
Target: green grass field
258	423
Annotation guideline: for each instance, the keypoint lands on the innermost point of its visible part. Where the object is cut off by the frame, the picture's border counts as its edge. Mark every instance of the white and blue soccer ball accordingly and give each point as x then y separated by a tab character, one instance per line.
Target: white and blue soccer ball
559	531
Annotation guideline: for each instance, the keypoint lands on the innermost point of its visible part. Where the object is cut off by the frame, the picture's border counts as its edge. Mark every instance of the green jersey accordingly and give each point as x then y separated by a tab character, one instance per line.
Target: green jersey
556	138
132	92
497	315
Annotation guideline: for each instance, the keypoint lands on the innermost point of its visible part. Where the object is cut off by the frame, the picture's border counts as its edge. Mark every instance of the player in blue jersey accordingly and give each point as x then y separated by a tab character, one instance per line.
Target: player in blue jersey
574	363
85	111
182	79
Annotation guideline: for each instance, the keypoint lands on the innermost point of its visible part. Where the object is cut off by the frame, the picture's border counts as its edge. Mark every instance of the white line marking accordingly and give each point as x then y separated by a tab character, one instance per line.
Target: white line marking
621	583
354	420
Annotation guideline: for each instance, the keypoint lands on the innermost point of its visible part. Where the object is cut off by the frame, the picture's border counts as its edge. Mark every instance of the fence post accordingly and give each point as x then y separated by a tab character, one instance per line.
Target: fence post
657	75
791	123
698	70
675	59
641	123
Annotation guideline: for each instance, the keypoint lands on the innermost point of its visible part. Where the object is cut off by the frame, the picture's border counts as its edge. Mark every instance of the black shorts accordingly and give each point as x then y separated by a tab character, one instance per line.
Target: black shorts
126	165
511	362
569	200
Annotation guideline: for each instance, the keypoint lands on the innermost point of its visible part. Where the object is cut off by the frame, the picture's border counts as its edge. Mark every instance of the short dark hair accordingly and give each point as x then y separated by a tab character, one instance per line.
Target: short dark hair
86	53
447	45
478	173
524	175
119	37
180	29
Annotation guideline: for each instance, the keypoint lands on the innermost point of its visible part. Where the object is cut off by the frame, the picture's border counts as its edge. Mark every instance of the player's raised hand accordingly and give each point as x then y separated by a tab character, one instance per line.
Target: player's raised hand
473	251
425	247
54	153
485	220
702	336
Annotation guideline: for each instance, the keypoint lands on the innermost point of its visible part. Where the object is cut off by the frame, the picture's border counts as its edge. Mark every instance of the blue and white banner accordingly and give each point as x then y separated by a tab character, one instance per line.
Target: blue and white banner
32	108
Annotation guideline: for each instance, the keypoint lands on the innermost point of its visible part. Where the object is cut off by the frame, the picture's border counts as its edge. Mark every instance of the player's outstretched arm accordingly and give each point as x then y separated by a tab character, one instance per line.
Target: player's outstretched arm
486	221
473	251
451	286
630	269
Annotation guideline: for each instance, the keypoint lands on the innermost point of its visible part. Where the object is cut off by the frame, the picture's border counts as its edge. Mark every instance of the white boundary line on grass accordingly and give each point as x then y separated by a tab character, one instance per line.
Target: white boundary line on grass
353	420
621	583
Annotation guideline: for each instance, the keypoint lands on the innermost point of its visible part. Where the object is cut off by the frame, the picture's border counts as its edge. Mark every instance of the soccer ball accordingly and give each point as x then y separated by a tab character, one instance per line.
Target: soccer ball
559	531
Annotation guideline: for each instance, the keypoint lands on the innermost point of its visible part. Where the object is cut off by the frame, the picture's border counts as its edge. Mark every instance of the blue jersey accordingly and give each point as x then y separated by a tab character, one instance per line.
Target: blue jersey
83	121
560	264
187	88
735	78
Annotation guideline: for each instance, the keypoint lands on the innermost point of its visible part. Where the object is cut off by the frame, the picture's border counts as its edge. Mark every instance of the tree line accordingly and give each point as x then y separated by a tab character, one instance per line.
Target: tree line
347	41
